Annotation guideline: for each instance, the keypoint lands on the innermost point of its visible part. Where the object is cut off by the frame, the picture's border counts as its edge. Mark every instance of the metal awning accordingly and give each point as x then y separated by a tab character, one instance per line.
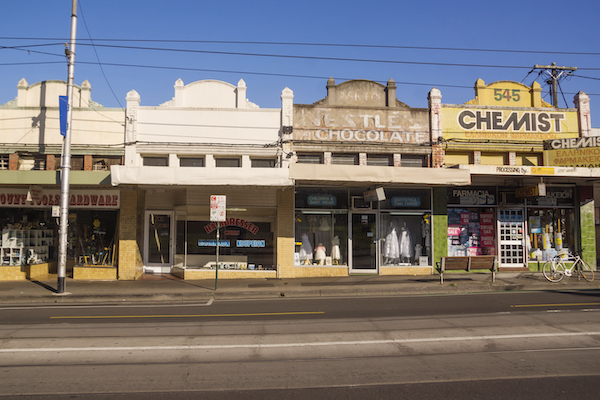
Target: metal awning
346	175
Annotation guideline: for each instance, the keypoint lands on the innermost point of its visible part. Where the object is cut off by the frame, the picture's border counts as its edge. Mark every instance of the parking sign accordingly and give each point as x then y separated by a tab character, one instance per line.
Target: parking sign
217	208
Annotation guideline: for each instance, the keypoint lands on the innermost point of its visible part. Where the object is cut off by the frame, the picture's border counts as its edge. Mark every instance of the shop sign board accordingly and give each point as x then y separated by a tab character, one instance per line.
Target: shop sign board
321	200
471	196
374	195
249	226
217	208
360	125
406	202
573	152
480	122
531	191
80	199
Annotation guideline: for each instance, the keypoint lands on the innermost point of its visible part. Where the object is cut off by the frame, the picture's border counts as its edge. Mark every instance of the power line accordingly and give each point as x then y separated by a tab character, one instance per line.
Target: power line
351	45
98	57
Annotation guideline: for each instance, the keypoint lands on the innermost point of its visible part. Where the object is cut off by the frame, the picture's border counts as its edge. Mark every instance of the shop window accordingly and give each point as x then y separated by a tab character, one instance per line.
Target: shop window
243	245
405	239
92	237
228	162
412	161
28	237
380	160
76	163
471	232
344	159
156	161
4	161
191	162
310	158
32	162
550	231
263	163
103	163
321	238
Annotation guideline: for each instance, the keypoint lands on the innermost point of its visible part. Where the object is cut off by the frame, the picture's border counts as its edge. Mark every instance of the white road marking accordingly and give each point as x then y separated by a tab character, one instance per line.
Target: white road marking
309	344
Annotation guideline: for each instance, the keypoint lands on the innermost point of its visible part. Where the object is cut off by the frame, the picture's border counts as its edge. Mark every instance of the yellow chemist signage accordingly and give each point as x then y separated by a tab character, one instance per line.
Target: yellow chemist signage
576	152
508	111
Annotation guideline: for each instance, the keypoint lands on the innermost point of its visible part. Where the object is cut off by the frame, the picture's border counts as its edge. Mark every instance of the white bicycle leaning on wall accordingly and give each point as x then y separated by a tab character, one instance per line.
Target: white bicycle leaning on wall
555	269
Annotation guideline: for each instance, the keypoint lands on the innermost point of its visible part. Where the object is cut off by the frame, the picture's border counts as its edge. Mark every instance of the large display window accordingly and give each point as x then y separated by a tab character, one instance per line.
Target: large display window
471	231
551	230
405	239
243	244
30	236
321	238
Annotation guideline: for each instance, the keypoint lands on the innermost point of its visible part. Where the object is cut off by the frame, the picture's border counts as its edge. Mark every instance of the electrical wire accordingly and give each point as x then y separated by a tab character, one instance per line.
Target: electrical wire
97	56
351	45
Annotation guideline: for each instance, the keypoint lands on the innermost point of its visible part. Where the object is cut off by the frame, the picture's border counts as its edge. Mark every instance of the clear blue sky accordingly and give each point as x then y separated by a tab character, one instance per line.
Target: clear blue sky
416	32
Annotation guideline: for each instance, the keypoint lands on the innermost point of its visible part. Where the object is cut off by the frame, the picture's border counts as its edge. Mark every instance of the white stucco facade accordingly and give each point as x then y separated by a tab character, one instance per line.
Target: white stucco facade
206	120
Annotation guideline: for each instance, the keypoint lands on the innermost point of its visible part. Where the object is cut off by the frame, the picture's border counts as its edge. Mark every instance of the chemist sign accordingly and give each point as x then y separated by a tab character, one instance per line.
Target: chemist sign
217	208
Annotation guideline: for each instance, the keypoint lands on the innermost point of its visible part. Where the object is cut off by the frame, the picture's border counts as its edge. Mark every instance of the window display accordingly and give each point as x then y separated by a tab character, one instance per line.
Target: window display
406	239
243	245
550	232
321	238
471	232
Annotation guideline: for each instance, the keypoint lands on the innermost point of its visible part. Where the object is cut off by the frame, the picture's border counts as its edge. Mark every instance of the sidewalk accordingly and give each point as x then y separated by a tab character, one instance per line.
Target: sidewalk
168	288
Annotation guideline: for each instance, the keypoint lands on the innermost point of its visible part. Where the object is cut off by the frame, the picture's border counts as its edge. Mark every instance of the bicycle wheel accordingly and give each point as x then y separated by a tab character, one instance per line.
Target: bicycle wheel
554	271
586	271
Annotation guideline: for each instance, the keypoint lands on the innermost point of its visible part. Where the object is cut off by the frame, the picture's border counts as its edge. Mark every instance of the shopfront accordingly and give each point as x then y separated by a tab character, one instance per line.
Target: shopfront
180	239
29	225
507	222
345	227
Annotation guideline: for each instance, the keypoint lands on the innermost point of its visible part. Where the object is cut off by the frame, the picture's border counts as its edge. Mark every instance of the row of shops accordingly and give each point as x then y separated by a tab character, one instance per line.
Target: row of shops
335	230
344	186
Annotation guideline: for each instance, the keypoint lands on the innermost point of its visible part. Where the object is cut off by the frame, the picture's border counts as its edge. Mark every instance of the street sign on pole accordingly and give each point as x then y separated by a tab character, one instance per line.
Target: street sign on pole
217	208
218	214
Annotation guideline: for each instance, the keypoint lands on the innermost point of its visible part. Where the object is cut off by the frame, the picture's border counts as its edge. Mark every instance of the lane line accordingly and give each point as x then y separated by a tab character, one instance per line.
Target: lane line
554	305
308	344
186	316
109	305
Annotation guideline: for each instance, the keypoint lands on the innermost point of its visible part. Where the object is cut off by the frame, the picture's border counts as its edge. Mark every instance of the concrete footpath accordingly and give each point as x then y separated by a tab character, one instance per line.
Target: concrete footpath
169	288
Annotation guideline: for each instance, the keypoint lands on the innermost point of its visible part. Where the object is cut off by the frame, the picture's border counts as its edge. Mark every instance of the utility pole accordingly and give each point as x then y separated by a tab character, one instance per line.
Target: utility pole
555	73
65	166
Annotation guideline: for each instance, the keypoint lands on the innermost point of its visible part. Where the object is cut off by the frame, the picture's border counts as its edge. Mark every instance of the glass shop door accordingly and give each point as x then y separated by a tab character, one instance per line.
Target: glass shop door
158	242
363	243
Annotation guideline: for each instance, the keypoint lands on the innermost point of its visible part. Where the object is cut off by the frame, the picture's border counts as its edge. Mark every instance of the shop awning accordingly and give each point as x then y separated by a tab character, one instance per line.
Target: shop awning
362	174
181	176
501	174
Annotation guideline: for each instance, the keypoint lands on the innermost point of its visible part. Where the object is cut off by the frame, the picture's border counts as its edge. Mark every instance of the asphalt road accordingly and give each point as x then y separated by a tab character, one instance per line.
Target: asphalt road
501	345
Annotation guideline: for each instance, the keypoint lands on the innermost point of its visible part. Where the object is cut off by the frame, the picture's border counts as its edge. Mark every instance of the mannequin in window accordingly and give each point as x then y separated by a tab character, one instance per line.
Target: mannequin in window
320	254
323	232
306	251
406	247
336	255
391	250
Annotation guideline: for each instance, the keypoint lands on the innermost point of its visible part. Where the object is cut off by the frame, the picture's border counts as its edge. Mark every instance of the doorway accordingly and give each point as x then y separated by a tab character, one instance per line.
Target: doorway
363	246
158	242
511	228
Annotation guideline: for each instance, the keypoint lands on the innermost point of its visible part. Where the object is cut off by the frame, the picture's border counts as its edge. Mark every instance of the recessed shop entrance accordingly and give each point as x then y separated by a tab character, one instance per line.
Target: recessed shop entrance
363	240
159	235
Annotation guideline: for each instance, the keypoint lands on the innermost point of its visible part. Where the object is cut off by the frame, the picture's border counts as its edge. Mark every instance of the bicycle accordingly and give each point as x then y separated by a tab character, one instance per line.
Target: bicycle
555	269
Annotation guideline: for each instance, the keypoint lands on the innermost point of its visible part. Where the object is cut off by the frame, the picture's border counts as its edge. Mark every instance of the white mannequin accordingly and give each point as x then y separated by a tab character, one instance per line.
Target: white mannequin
320	254
306	251
391	250
336	255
